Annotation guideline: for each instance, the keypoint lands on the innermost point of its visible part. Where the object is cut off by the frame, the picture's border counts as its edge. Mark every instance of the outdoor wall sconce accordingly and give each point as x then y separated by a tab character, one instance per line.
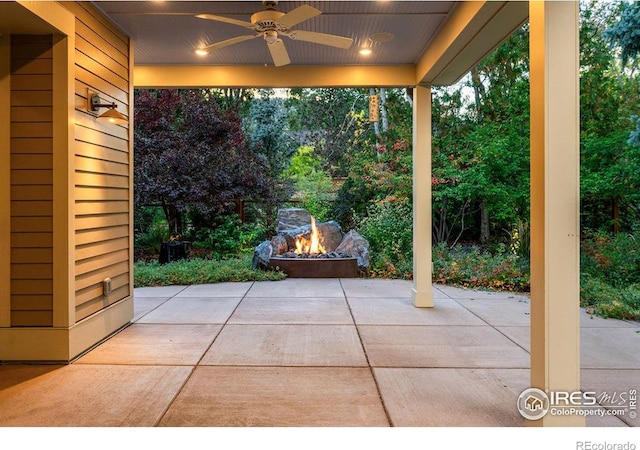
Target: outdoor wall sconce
110	115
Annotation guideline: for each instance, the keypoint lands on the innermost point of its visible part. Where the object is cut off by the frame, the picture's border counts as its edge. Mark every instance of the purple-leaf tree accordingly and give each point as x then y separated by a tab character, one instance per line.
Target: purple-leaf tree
188	153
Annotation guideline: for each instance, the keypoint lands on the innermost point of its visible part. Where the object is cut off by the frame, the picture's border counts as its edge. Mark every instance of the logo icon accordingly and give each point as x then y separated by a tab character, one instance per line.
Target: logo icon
533	404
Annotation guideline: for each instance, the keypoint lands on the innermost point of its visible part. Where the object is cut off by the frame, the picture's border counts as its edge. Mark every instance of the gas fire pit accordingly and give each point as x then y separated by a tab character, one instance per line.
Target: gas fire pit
337	267
302	249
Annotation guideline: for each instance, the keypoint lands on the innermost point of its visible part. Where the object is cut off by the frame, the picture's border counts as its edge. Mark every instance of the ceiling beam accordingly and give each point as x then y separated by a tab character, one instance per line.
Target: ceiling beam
274	77
33	17
472	31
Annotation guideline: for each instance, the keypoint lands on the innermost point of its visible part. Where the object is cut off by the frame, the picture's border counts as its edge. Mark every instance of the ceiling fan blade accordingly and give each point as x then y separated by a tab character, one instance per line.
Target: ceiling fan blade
226	20
300	14
322	38
279	53
231	41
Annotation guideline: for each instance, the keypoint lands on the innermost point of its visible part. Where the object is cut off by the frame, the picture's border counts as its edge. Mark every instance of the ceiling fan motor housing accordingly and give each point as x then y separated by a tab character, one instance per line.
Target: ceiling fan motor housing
267	20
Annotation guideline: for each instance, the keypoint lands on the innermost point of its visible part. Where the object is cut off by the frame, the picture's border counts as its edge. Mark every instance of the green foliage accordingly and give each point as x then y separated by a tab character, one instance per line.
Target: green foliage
332	121
608	100
266	124
380	167
613	258
151	229
313	185
610	280
200	271
634	137
229	237
489	167
520	243
600	298
389	229
303	162
380	174
191	154
625	33
472	267
480	156
608	174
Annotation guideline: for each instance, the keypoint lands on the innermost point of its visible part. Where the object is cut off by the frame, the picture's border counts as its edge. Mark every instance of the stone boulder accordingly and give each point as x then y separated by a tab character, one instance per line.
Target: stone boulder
262	255
292	218
331	234
279	245
355	246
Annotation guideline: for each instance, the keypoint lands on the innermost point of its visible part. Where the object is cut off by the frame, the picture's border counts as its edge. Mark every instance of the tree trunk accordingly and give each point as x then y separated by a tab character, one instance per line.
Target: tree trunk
478	90
240	209
383	110
174	219
179	228
484	224
408	95
615	215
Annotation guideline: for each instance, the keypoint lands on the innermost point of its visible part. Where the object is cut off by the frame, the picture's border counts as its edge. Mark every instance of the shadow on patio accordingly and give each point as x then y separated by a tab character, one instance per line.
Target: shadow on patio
321	352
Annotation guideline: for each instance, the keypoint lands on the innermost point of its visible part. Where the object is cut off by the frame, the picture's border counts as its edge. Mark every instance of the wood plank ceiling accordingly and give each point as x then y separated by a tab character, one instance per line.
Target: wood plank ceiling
167	33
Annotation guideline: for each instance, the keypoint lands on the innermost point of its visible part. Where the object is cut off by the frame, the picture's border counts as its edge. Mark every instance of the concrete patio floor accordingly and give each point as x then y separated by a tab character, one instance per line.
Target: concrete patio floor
318	352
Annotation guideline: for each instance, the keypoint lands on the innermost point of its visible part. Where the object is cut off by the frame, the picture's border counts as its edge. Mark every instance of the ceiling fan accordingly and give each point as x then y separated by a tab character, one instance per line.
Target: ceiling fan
271	24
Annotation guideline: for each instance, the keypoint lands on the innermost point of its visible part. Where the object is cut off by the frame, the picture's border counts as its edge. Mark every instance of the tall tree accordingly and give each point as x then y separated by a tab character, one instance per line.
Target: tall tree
379	167
481	148
607	97
190	154
267	128
329	120
625	34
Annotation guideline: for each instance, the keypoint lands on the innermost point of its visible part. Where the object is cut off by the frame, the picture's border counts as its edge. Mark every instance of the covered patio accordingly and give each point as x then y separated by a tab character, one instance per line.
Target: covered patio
310	352
66	209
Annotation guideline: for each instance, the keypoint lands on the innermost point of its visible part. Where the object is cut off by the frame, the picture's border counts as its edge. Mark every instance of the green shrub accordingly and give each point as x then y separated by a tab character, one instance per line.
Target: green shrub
520	236
610	279
313	184
200	271
599	297
473	268
612	258
151	229
229	238
389	229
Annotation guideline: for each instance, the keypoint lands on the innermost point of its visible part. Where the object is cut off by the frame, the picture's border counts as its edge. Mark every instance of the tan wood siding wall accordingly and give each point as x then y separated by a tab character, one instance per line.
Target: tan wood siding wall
31	180
101	163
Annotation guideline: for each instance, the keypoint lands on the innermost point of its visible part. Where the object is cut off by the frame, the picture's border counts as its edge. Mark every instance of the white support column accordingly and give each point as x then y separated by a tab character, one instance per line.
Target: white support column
555	202
422	266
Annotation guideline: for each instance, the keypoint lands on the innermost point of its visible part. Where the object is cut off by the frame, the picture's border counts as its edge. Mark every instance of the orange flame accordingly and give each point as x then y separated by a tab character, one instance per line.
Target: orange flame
311	245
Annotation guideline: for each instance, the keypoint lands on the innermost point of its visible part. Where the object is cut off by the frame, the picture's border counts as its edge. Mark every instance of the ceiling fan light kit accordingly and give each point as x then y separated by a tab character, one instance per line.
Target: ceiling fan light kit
271	24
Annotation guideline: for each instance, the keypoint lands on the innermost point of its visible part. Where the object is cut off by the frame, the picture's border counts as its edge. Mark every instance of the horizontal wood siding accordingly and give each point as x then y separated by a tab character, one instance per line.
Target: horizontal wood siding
101	163
31	181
